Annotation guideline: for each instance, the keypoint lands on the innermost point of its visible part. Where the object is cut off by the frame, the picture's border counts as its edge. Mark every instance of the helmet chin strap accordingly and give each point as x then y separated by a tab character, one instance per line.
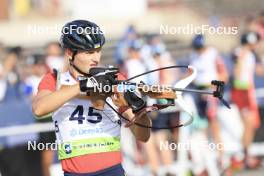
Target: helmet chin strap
75	67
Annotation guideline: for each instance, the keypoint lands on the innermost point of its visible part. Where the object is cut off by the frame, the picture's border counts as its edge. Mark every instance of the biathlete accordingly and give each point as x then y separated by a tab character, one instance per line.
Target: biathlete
87	130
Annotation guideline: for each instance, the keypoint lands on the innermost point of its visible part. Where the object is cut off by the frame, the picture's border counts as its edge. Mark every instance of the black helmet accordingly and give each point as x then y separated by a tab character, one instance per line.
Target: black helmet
81	35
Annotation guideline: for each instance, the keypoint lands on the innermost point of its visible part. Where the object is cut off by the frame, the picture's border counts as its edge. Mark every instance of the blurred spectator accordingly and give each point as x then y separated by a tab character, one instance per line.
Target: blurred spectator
243	91
260	24
15	158
209	67
134	60
10	71
257	25
123	45
55	59
38	69
153	41
134	65
161	158
260	48
162	58
147	57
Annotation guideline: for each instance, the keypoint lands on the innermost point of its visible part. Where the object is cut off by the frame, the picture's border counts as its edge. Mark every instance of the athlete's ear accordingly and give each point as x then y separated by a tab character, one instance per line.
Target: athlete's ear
68	53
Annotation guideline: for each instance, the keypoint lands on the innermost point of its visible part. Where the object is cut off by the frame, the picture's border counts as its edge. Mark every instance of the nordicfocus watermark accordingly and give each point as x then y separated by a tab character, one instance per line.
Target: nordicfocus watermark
56	29
80	30
191	29
34	145
43	29
130	88
190	145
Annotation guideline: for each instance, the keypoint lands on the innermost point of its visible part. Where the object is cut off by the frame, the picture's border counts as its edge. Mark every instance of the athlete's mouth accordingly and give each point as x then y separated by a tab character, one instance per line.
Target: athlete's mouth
94	64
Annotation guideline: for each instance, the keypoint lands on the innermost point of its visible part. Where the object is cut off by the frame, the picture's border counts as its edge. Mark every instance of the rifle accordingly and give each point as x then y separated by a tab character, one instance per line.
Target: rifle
172	94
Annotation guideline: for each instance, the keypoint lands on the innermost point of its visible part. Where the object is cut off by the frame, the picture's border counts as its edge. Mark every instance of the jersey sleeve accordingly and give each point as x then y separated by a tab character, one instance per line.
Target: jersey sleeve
48	82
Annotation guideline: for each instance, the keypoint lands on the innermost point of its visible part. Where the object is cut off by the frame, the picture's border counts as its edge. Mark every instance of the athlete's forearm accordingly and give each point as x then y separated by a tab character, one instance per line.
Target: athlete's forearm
45	103
141	133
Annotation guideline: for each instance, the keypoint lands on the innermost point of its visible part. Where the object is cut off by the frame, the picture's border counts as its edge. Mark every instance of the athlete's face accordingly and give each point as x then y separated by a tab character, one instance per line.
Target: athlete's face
85	60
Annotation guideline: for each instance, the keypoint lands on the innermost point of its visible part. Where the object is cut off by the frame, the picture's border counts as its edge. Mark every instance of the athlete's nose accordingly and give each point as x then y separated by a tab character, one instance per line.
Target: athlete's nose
96	56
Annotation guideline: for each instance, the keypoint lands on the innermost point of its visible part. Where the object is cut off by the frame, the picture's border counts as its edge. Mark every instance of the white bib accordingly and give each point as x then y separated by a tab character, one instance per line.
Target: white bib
81	129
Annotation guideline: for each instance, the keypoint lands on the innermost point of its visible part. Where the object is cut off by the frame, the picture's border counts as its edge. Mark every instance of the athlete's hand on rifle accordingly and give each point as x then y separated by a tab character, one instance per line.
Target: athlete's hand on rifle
98	85
131	105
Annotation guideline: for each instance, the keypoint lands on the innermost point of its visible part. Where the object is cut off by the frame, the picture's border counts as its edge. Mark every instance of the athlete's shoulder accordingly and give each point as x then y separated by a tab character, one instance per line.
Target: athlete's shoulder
48	82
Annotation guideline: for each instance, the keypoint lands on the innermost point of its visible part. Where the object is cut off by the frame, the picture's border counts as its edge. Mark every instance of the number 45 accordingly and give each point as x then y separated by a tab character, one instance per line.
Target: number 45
78	115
